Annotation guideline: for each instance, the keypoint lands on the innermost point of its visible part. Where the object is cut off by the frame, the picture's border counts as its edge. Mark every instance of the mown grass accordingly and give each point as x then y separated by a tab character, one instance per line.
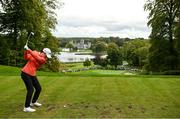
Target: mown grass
92	97
74	65
99	73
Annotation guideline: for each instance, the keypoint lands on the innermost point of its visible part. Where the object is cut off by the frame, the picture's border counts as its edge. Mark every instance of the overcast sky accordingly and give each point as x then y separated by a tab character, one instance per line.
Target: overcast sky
102	18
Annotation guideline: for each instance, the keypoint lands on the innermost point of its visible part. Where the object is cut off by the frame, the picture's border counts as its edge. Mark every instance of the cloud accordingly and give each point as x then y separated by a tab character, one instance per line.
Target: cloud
77	27
96	18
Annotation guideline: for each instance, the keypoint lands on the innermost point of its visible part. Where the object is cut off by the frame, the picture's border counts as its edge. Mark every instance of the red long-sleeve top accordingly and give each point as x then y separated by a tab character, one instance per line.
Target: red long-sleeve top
35	60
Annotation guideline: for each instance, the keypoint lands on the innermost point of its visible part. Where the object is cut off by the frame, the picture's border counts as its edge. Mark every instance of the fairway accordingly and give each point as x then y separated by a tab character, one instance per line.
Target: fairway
94	97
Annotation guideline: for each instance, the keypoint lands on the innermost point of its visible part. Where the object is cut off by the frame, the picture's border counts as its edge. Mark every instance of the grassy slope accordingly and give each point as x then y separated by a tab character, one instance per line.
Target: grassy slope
91	96
14	71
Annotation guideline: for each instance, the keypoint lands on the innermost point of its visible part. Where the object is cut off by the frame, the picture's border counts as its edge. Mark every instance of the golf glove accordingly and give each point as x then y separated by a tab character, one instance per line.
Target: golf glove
26	47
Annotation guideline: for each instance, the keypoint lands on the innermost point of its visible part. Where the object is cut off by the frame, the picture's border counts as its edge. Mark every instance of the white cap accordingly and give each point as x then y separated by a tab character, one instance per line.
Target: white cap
47	51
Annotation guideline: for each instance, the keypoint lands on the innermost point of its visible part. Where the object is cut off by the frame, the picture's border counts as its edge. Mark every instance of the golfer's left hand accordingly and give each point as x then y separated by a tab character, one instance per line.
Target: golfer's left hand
26	47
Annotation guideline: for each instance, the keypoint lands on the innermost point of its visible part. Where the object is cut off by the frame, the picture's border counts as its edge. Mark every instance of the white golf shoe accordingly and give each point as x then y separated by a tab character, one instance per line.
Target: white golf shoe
28	109
36	104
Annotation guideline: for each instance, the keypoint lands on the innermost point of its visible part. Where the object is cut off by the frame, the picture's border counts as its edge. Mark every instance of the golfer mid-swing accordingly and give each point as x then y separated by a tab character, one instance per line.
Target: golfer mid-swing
28	74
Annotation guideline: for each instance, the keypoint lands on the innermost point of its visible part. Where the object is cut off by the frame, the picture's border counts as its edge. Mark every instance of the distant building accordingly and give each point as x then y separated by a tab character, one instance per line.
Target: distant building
65	50
81	44
73	57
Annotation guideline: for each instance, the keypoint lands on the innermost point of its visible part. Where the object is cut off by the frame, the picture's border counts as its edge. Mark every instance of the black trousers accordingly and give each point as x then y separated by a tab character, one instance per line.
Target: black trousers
31	82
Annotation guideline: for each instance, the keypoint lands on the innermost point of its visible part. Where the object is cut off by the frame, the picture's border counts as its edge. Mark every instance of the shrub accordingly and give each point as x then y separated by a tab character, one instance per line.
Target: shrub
87	62
53	65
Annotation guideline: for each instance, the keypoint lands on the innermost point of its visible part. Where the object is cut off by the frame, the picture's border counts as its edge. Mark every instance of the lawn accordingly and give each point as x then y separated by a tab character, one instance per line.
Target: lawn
99	95
100	73
74	65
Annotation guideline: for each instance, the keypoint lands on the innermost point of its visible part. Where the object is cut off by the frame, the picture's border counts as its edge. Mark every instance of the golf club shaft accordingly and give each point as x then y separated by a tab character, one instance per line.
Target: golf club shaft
28	39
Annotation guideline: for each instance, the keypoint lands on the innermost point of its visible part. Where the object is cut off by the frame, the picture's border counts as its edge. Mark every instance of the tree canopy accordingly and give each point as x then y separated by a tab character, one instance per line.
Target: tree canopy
135	52
164	18
114	55
99	47
18	18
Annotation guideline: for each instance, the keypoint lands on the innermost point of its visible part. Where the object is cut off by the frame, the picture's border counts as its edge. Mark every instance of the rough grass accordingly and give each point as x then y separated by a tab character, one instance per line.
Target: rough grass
91	96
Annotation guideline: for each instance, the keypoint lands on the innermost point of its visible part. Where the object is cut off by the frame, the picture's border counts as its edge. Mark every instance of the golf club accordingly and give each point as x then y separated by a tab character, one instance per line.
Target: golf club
29	37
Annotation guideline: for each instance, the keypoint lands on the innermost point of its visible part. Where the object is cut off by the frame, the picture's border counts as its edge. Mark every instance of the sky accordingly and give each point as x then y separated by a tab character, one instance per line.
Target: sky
102	18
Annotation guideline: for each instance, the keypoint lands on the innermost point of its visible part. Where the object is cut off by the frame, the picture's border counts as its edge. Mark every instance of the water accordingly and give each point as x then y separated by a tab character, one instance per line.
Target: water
73	57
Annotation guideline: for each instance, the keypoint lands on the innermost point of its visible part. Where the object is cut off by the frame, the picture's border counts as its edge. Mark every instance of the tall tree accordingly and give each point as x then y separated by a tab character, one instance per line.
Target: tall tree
27	15
163	19
114	55
70	46
20	17
99	47
135	52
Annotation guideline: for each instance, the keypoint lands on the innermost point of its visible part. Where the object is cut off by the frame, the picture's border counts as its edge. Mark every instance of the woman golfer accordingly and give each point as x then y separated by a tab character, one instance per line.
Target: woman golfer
35	60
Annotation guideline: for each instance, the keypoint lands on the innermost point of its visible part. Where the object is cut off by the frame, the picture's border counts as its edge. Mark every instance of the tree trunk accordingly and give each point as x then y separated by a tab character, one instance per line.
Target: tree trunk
170	27
15	43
